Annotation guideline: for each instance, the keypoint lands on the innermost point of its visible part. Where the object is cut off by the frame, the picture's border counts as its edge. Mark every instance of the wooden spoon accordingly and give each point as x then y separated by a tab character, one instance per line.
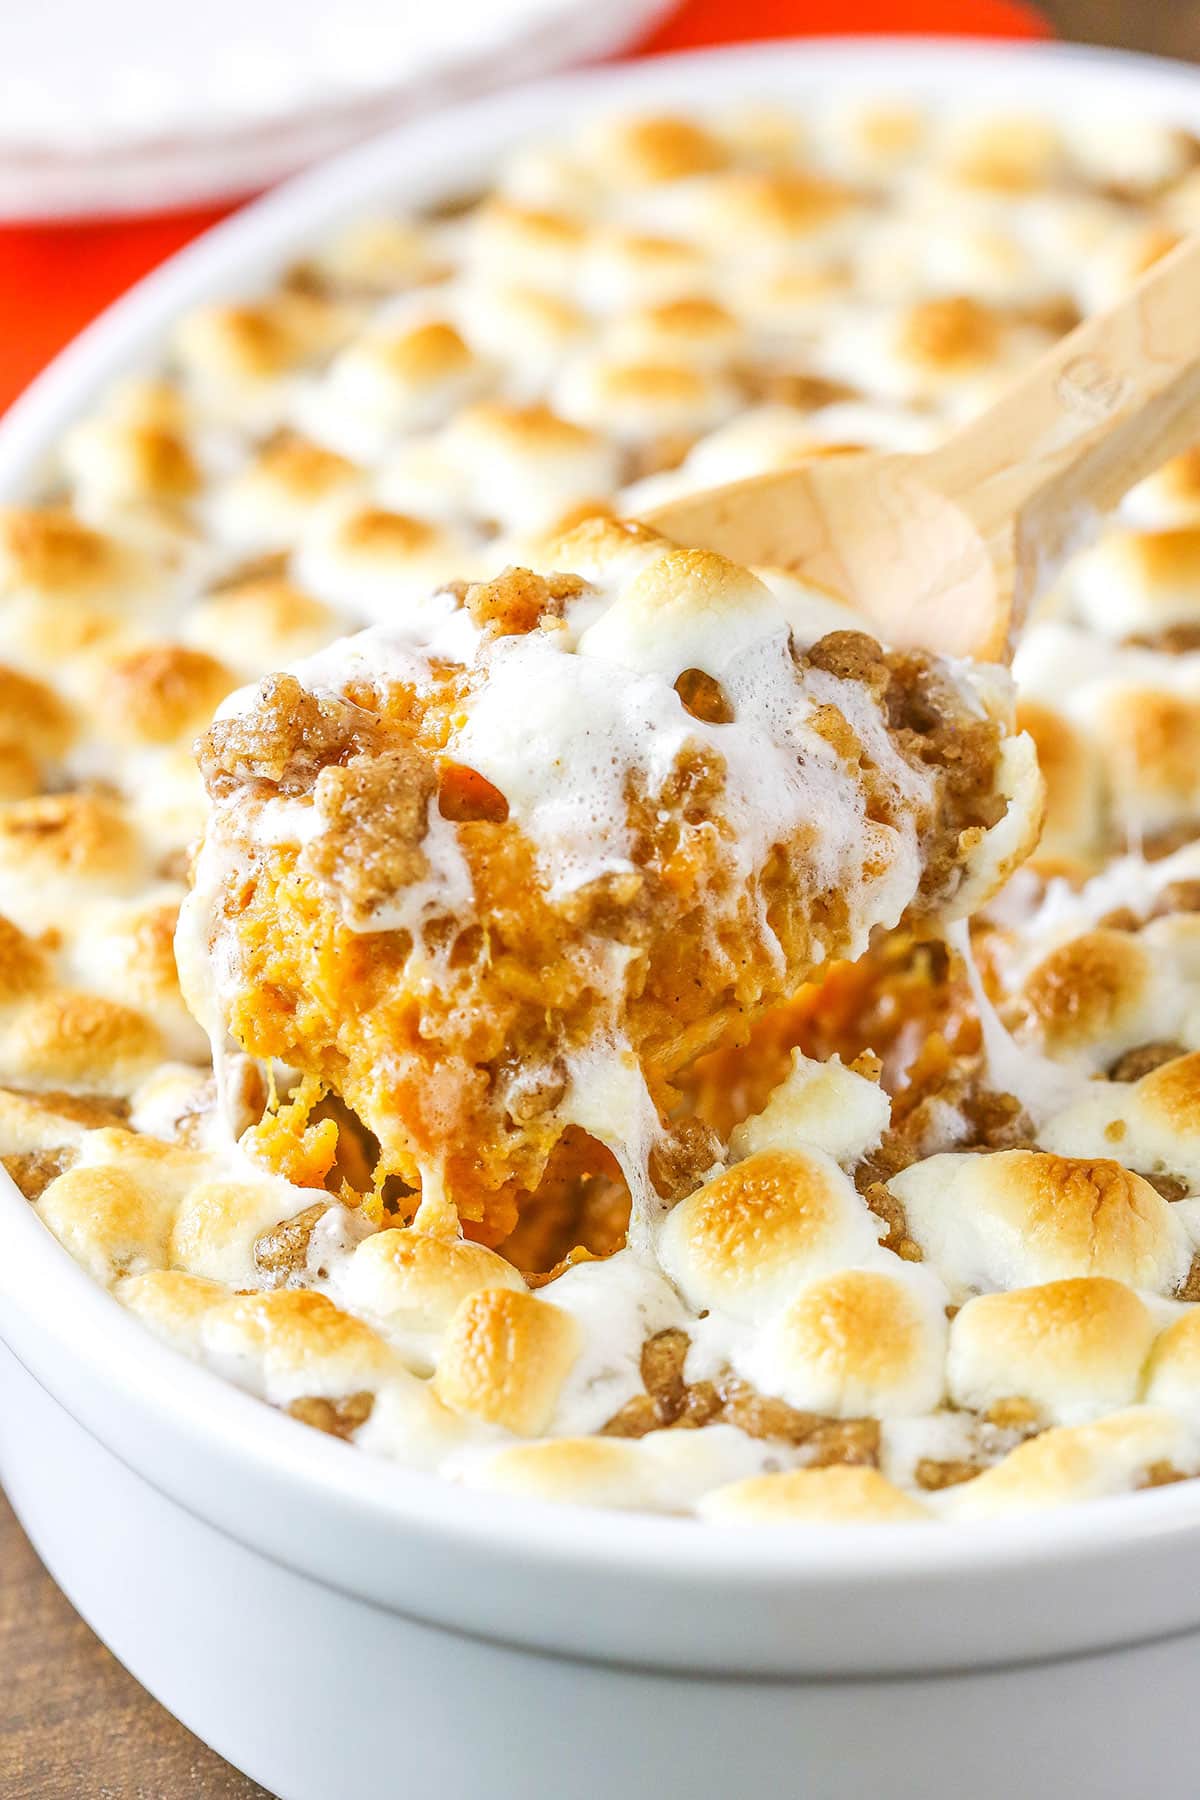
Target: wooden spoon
946	549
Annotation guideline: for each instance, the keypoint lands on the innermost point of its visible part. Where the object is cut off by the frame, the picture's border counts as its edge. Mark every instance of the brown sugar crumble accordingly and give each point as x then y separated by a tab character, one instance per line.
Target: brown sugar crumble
282	1252
670	1402
336	1418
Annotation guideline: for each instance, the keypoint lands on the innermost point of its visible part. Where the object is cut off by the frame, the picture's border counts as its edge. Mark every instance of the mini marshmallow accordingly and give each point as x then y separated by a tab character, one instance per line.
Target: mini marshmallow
1152	1124
366	560
1170	497
1173	1371
1078	1462
688	609
746	1240
412	1281
115	1208
1072	772
504	1358
861	1342
1075	1349
840	1495
1014	1218
1098	994
1139	581
259	624
666	1471
823	1104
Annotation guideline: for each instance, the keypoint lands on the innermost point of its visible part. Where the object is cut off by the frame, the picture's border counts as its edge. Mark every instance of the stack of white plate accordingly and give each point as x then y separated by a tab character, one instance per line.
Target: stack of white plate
125	106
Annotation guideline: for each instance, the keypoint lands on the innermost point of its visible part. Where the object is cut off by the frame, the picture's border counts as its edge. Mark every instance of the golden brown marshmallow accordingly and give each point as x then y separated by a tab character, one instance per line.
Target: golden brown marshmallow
505	1357
862	1342
1014	1218
840	1495
742	1242
413	1281
1074	1349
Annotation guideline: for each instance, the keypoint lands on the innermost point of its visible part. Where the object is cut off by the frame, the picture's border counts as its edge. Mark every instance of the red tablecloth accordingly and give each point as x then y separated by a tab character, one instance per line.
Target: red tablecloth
53	279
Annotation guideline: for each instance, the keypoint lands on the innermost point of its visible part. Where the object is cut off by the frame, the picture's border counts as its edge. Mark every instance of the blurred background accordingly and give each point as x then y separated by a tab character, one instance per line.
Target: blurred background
128	126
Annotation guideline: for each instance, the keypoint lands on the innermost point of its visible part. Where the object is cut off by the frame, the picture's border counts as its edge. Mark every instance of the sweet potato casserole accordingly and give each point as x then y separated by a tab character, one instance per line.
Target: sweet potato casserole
560	1009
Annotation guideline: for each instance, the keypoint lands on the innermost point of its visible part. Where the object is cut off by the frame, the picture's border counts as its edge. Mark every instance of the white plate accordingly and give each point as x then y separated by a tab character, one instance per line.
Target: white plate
129	106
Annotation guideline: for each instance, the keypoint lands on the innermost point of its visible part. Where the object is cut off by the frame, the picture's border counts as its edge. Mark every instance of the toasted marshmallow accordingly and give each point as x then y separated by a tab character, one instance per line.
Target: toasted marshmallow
67	587
1015	1218
1168	498
525	466
666	1471
1152	1124
63	1040
114	1209
1000	154
30	1124
260	624
625	269
377	256
1098	994
1149	738
1133	154
840	1495
687	609
745	1241
266	505
688	330
127	953
951	349
1139	581
538	247
505	1357
638	401
528	330
58	851
412	1281
872	138
859	1342
652	148
291	1343
33	719
403	379
239	362
159	694
173	1304
110	462
1074	1349
217	1224
769	214
366	560
1173	1372
823	1104
1079	1462
24	964
48	554
1071	769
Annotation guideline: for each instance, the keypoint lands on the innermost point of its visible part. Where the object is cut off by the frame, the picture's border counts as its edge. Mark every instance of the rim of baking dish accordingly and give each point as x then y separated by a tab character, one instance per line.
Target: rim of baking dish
411	166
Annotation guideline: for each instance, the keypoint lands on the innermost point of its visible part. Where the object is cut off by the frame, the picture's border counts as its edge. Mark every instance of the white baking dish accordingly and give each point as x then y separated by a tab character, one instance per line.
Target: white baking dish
344	1630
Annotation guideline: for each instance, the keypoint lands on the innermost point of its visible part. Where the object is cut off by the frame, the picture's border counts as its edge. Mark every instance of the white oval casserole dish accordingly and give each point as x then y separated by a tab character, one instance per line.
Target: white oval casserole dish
344	1630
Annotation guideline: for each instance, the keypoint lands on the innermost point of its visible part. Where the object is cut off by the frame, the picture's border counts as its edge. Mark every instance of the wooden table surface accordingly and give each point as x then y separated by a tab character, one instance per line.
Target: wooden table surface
73	1724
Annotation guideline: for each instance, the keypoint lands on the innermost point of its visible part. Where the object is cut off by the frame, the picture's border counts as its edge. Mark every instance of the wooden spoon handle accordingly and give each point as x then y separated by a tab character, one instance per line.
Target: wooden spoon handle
1107	405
